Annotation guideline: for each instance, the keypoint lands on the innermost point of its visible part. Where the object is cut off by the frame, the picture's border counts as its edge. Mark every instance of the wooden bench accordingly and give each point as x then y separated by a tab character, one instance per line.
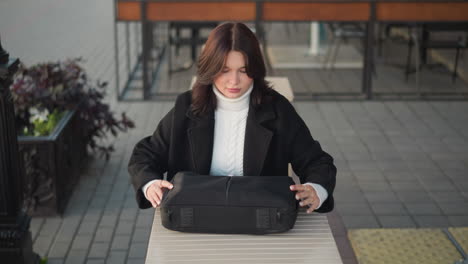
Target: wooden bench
310	241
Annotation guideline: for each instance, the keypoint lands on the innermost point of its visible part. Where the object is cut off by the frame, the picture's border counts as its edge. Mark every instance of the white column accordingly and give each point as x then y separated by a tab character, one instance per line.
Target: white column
314	38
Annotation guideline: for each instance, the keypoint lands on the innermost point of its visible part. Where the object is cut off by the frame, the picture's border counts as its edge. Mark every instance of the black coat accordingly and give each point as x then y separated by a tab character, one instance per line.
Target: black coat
275	136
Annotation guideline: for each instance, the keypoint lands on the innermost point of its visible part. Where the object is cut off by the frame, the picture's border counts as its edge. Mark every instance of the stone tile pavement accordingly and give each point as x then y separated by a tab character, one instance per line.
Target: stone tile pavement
380	182
400	163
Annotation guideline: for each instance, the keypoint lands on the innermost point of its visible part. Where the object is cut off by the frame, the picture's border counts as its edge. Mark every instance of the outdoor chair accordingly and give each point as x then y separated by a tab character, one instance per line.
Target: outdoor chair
423	38
340	32
193	40
384	33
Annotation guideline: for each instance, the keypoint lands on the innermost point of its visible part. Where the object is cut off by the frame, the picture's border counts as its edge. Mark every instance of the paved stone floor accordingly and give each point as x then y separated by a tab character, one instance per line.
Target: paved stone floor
400	163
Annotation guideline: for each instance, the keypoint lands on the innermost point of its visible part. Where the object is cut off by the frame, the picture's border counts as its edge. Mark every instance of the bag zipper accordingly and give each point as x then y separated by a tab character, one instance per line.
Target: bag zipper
228	185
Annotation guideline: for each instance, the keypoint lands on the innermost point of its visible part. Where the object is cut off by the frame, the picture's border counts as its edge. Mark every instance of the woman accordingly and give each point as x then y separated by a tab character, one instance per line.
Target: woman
232	123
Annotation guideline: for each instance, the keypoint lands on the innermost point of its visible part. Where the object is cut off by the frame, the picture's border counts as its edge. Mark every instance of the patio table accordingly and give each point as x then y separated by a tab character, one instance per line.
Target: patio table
310	241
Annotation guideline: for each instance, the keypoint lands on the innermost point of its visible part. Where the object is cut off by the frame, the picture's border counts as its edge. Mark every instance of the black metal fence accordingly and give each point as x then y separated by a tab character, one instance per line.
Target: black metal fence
152	37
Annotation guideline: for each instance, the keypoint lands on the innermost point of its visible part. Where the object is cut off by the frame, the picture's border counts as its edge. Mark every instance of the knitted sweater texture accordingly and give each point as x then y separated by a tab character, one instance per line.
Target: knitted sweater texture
229	134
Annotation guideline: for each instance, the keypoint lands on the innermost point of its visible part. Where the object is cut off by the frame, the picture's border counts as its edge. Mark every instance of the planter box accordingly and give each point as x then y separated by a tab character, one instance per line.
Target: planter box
52	166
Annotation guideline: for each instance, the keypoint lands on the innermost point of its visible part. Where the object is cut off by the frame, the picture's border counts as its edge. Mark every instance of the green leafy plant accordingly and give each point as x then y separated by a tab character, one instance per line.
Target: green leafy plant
43	123
55	87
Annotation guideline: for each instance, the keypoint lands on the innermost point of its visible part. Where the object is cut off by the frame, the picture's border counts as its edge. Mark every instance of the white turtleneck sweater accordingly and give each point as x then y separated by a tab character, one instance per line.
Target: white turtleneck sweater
229	135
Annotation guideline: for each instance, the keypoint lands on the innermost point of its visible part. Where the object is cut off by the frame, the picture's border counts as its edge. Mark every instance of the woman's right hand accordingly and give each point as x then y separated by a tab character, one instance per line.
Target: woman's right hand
154	193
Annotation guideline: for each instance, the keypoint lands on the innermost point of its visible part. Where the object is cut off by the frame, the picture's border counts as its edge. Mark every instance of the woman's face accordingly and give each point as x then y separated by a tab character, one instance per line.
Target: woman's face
233	81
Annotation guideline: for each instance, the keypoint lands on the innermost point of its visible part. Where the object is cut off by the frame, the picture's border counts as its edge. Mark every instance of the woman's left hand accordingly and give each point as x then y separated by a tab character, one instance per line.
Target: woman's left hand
307	195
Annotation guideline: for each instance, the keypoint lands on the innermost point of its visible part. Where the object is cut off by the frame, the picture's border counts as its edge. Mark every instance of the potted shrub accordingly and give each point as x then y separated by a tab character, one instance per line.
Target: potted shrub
60	116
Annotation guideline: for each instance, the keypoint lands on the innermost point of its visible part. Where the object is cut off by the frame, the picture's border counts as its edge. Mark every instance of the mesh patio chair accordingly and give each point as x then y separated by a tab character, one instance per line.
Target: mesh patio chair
340	32
423	39
193	40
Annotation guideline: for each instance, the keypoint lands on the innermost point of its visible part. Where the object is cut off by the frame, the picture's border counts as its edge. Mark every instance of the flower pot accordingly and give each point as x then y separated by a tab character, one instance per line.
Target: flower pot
52	165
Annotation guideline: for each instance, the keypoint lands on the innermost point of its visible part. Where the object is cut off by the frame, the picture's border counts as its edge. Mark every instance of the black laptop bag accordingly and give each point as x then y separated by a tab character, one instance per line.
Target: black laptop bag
230	205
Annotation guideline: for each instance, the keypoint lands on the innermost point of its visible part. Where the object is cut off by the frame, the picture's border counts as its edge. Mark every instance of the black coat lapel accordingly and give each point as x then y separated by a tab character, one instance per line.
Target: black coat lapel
201	136
256	145
257	139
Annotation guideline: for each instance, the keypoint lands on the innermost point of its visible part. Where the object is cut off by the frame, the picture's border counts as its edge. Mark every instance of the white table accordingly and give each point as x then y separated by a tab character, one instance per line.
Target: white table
310	241
280	84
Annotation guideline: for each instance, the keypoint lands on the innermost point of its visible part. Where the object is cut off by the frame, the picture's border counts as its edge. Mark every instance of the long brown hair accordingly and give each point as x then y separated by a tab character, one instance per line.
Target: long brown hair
223	39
